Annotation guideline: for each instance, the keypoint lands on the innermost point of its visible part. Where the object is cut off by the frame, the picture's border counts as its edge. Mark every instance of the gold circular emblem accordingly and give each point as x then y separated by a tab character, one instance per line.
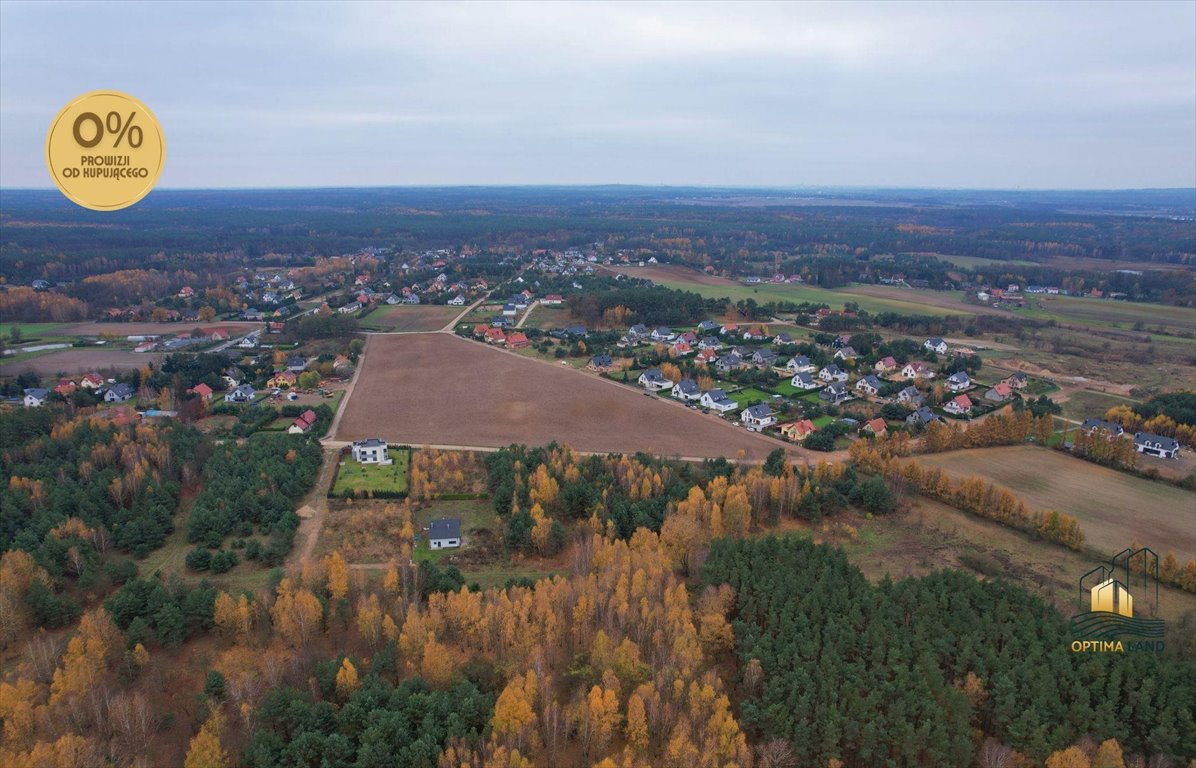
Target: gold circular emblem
105	150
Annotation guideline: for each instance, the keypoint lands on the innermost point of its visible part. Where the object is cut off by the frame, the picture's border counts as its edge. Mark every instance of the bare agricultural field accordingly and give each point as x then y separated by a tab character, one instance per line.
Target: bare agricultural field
437	389
81	360
408	318
1115	509
160	329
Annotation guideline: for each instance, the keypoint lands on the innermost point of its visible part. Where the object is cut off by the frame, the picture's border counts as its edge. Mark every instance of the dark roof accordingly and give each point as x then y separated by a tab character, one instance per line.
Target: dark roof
601	360
1166	443
688	385
370	442
1111	426
936	341
448	528
923	414
758	411
38	392
872	381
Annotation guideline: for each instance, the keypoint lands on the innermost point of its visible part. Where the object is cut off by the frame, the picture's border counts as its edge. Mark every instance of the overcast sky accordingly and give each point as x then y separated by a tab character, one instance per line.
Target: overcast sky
1003	95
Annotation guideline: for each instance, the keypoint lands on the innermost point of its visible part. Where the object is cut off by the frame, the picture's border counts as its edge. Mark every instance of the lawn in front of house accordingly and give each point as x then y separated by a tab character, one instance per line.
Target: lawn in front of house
361	478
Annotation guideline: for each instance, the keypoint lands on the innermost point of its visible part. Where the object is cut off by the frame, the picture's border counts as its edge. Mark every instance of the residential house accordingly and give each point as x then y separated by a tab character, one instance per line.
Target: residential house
783	338
638	329
910	396
283	380
303	423
707	325
959	382
728	329
764	358
846	354
654	381
1097	425
203	391
731	362
709	342
552	300
252	313
999	393
687	389
800	364
411	298
936	345
495	336
118	393
832	373
242	394
961	405
574	332
517	340
350	308
35	397
91	381
836	393
456	301
707	356
218	334
444	533
798	431
717	400
663	334
480	329
371	451
917	369
757	417
1016	381
804	381
869	385
601	363
922	417
509	310
876	427
681	348
755	333
1156	445
885	365
65	387
296	364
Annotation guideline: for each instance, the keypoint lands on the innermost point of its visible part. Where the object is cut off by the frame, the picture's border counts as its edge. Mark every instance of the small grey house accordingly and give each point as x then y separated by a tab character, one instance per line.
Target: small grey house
1094	425
1156	445
118	393
444	534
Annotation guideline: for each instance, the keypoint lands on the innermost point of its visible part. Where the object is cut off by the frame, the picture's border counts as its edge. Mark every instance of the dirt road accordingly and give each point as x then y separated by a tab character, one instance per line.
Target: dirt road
312	513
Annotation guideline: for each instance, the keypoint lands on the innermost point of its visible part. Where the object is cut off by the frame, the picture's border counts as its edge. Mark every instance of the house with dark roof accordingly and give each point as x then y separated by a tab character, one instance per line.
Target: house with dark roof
1093	425
804	381
836	393
959	382
757	417
444	533
653	380
118	393
1156	445
35	397
242	394
731	362
936	345
911	396
764	357
869	385
372	450
717	400
600	363
800	364
687	389
832	373
922	417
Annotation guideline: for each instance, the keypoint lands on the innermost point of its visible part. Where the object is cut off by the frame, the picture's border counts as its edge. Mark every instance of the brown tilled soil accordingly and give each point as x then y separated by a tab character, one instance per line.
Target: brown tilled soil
234	327
81	360
437	389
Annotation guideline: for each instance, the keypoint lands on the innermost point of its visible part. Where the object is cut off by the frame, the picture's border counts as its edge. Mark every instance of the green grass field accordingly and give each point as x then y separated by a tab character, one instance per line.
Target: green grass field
360	478
745	396
1084	404
29	330
401	318
1097	313
802	293
968	262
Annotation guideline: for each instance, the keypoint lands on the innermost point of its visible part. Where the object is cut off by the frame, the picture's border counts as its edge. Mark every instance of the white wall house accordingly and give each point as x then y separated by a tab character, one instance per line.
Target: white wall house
371	451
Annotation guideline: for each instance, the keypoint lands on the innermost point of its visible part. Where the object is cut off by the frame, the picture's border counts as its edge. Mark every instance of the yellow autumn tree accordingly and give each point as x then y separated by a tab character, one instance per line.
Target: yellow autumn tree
206	750
346	678
637	725
338	576
86	656
1072	757
1109	755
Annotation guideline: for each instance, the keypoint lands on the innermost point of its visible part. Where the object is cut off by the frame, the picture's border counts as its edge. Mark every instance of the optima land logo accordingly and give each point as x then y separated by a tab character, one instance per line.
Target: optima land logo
1109	625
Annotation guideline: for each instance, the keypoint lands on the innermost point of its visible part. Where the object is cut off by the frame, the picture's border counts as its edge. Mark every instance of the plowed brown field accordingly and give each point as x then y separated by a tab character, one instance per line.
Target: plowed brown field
437	389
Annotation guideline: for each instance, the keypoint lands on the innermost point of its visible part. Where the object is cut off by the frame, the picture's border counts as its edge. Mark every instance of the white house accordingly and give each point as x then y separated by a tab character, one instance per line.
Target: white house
687	389
717	400
869	385
371	451
654	381
457	301
959	406
959	382
1156	445
118	393
803	381
917	370
832	373
800	364
242	394
758	417
35	397
663	334
444	534
936	345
